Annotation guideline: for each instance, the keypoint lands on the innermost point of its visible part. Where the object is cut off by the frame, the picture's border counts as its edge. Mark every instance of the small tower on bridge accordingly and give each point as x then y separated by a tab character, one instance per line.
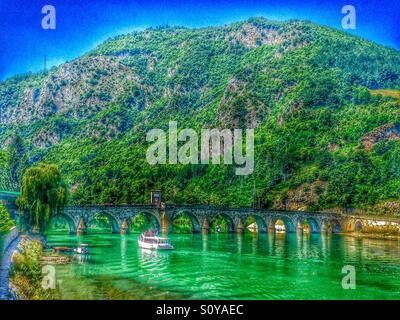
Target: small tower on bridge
156	197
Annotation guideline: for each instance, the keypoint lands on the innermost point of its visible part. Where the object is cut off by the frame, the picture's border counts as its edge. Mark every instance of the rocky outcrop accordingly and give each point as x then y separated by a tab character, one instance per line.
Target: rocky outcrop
389	131
302	197
77	89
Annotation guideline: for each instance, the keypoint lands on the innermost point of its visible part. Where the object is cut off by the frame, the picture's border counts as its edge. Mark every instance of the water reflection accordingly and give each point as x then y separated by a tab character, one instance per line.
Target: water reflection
81	258
204	238
154	256
255	244
213	266
326	239
239	243
271	243
124	265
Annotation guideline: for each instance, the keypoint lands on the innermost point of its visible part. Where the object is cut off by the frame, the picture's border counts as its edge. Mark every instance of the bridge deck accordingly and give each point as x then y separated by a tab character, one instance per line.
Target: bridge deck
10	193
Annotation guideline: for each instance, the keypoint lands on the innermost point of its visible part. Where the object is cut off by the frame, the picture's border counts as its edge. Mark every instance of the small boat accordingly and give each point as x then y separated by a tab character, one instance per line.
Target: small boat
280	228
253	227
82	249
62	249
151	240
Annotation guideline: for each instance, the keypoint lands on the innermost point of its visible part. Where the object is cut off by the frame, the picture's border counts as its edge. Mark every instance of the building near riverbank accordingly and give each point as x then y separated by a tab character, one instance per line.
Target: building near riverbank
9	199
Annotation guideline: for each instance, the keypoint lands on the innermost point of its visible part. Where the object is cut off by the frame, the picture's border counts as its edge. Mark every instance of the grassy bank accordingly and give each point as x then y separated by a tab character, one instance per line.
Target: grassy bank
6	223
26	273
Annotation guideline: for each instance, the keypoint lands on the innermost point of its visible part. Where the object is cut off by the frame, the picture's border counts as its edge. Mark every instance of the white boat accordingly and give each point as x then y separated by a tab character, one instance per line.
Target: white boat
280	228
82	249
150	240
253	227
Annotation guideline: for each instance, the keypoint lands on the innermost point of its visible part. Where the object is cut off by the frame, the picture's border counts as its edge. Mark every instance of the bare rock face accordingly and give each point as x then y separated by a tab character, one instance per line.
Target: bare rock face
301	197
390	208
389	131
76	89
45	138
251	37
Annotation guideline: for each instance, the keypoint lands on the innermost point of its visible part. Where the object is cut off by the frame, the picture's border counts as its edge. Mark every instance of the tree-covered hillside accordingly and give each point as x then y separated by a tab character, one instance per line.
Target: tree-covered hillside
325	136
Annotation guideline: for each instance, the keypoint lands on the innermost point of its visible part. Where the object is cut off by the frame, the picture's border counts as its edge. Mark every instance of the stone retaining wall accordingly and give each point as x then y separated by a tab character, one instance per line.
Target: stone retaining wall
8	239
7	248
380	226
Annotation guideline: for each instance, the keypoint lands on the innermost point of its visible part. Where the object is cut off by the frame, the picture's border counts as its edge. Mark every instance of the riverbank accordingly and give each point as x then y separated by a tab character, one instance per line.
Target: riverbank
26	277
378	236
5	266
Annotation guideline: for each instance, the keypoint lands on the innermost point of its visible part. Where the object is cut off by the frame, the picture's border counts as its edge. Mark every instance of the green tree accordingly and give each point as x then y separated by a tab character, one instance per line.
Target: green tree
17	162
43	194
5	221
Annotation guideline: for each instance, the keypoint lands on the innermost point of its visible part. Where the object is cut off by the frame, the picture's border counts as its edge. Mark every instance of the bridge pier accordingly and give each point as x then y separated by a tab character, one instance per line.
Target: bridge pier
240	226
205	227
299	227
325	228
81	229
124	229
165	223
271	228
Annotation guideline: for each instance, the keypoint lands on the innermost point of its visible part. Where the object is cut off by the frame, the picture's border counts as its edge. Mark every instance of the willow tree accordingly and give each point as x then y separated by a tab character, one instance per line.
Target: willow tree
43	194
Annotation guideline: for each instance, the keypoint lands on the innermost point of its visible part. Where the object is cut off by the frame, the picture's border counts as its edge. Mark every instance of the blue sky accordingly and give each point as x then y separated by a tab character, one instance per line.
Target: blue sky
81	25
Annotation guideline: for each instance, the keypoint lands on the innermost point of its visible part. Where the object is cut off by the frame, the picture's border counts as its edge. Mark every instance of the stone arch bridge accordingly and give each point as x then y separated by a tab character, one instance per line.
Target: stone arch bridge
79	217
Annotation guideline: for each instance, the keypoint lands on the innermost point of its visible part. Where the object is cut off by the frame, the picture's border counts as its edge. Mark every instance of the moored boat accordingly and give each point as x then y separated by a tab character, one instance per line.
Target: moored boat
82	249
151	240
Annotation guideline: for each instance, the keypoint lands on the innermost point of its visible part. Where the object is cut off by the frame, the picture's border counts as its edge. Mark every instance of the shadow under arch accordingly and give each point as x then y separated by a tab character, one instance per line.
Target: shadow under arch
261	223
196	226
103	224
58	218
288	222
230	225
358	226
315	227
142	221
336	226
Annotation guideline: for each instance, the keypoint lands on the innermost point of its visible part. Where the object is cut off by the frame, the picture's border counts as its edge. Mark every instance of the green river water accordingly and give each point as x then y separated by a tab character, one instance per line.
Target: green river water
226	266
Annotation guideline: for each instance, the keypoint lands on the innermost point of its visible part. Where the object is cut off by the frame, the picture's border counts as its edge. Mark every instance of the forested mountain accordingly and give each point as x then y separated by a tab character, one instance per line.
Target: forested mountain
326	134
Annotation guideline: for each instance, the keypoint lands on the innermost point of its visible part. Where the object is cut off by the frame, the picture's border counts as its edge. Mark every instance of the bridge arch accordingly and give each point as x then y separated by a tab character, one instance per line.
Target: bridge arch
358	226
196	225
71	223
289	223
226	217
114	222
151	218
260	221
313	224
336	226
